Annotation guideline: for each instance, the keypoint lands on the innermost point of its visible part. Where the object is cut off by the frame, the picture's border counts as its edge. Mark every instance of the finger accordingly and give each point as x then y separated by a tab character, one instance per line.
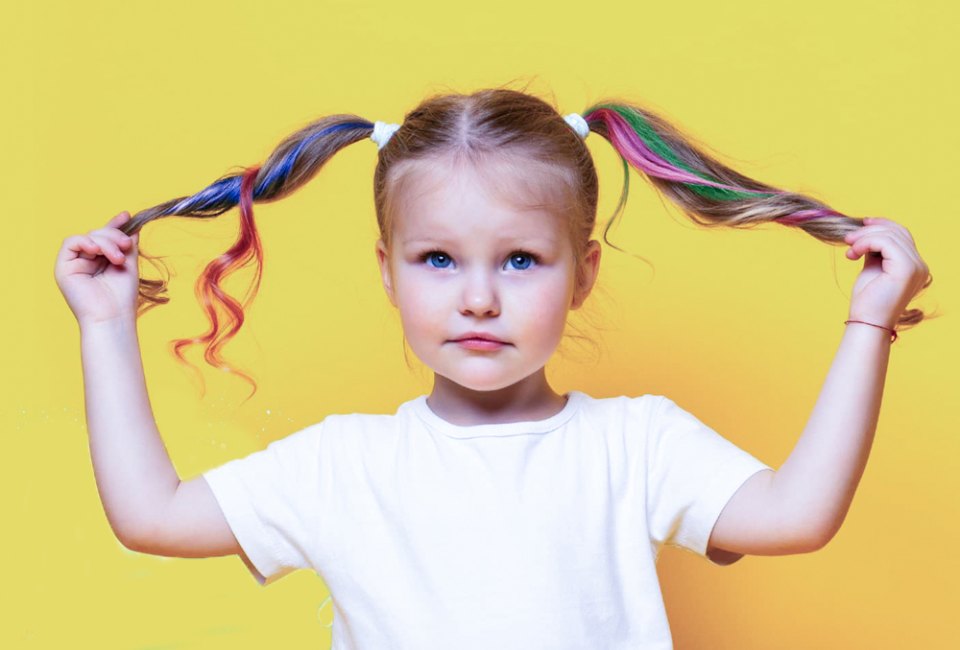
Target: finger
899	233
895	258
76	246
892	224
865	231
80	253
868	223
902	235
119	220
919	268
875	241
108	248
89	248
118	237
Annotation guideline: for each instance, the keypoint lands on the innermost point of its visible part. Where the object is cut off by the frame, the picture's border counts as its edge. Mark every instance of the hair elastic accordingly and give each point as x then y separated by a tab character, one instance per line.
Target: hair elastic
382	131
576	121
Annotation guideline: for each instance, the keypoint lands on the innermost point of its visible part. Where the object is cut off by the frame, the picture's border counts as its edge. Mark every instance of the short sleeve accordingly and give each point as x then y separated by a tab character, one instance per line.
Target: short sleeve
692	472
269	500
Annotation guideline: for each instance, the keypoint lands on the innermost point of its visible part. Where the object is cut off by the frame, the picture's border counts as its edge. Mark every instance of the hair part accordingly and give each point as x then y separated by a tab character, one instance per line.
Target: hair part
504	135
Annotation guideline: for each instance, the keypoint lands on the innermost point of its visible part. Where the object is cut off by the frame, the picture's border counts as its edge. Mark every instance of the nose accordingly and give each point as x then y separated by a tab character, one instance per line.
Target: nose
480	296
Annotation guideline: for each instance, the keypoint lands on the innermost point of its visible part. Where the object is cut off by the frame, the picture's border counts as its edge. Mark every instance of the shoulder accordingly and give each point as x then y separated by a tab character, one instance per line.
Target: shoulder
621	406
361	428
363	421
359	421
637	420
623	413
616	431
333	427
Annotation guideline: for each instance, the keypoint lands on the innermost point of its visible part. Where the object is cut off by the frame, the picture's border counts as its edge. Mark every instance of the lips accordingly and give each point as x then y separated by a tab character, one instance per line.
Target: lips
478	336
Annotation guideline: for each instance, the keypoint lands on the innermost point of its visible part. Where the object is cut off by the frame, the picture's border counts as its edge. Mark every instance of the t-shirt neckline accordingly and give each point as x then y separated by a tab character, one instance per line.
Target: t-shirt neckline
423	411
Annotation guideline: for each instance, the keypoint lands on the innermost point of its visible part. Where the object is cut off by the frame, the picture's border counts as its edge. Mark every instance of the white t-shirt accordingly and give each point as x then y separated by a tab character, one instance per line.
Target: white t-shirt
540	534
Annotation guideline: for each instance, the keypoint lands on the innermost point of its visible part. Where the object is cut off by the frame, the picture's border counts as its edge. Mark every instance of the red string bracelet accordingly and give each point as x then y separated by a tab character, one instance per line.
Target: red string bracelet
892	331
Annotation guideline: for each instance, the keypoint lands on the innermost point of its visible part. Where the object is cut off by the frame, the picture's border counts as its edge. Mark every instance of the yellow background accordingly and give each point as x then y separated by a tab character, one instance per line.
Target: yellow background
112	106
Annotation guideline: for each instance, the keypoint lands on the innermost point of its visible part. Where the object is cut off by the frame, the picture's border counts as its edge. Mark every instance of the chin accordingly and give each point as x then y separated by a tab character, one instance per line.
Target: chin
482	382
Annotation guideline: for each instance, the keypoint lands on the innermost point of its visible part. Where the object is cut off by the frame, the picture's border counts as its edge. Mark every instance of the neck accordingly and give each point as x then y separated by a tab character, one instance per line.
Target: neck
531	398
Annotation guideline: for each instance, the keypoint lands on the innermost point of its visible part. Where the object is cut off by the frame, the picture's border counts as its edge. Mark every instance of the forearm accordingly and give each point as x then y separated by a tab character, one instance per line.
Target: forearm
133	471
817	482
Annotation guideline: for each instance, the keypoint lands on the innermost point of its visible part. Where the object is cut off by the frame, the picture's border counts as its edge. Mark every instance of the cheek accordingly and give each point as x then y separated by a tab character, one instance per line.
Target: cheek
545	306
553	319
553	293
418	310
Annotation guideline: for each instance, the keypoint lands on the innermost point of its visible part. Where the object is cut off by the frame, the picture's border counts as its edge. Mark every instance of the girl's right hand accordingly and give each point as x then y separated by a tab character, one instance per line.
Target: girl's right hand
98	273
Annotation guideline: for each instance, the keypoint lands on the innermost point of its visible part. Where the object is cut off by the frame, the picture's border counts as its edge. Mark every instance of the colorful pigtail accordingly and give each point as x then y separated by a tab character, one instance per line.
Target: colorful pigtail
294	162
707	191
477	126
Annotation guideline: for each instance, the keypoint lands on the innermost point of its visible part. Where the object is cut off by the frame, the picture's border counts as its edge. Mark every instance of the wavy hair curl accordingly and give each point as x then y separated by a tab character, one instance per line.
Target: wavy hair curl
514	127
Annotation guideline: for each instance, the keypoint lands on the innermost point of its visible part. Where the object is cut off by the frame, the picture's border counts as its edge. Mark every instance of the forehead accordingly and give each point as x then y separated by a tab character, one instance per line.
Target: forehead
502	197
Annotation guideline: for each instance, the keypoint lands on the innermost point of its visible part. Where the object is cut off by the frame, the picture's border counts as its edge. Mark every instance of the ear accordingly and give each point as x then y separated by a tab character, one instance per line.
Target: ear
587	276
383	259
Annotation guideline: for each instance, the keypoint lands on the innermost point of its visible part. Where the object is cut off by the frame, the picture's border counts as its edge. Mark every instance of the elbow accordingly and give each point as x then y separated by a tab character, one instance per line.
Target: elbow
132	538
125	540
819	539
129	540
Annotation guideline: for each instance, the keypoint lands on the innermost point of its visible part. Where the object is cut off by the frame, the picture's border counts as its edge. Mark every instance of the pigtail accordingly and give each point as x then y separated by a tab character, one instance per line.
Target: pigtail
294	162
707	191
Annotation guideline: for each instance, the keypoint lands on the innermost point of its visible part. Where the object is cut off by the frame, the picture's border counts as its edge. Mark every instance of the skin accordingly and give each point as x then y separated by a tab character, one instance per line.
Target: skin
480	281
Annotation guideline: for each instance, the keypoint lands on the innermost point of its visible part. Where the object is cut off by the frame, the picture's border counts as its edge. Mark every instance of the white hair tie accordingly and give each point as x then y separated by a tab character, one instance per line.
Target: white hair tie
579	124
382	132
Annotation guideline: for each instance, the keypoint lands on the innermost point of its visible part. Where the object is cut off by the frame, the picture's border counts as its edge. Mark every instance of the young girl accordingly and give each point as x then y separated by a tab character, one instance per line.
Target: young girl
493	512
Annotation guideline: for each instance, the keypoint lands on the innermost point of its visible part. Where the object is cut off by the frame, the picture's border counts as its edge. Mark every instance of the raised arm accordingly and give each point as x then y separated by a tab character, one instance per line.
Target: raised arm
149	509
802	506
816	484
133	471
147	506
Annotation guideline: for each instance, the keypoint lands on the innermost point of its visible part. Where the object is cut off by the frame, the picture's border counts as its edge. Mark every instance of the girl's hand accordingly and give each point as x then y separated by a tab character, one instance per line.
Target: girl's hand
98	273
893	271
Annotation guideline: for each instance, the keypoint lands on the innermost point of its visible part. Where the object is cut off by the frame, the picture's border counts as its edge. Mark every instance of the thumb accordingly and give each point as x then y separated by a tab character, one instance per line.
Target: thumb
134	249
135	246
118	221
135	239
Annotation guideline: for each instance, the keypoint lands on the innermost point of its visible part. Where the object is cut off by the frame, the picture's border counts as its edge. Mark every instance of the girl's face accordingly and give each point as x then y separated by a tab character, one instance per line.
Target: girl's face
461	261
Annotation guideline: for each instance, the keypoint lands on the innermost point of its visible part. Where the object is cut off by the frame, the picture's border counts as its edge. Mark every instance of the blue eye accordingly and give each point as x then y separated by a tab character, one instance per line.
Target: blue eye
521	260
522	255
439	255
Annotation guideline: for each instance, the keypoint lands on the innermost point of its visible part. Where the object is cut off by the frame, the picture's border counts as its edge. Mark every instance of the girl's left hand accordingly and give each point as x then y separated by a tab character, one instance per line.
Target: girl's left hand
893	272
